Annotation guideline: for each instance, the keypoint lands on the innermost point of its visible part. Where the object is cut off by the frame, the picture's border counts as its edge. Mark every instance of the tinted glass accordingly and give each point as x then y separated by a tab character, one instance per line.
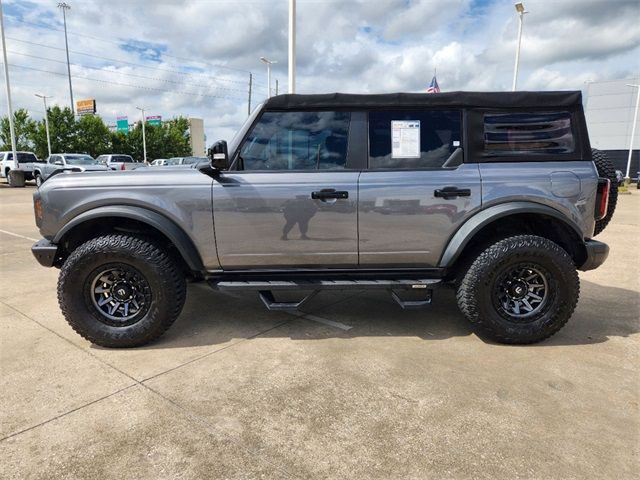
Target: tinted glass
407	139
23	157
528	133
122	158
297	141
79	160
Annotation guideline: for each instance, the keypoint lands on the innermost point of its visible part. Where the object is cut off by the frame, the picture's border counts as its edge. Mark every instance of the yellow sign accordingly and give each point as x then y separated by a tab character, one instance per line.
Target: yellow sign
84	107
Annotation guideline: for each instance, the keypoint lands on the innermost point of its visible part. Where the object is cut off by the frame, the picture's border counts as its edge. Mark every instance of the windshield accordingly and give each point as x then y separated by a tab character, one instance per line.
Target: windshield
237	138
79	160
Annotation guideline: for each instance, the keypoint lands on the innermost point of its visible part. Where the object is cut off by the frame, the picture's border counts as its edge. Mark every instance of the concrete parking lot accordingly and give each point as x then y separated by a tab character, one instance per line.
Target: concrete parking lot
355	388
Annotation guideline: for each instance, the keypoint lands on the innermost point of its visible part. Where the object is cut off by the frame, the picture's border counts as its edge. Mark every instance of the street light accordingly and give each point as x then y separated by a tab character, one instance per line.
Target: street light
269	63
633	131
7	85
46	119
64	7
144	141
521	11
292	46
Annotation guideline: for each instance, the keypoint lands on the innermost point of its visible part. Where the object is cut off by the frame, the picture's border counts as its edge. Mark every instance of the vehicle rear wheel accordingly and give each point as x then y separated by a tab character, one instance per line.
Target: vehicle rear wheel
520	290
120	291
606	169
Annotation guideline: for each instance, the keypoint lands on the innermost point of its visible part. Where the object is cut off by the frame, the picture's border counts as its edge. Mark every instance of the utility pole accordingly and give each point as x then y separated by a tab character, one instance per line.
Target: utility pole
521	11
627	178
276	86
64	7
292	46
8	89
250	86
144	140
46	119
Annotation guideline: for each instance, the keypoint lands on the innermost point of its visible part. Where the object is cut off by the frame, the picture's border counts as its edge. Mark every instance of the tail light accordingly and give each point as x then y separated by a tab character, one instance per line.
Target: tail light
602	198
122	167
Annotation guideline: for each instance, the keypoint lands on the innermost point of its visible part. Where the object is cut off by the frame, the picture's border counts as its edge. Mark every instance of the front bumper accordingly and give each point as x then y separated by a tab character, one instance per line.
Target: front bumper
45	252
597	253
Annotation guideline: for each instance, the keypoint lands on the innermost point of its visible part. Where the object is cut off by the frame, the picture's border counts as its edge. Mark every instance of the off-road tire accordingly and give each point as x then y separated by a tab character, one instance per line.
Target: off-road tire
164	278
477	292
606	170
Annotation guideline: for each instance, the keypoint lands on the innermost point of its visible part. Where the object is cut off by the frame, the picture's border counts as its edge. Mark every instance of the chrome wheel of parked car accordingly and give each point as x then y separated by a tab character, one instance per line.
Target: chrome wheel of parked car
121	294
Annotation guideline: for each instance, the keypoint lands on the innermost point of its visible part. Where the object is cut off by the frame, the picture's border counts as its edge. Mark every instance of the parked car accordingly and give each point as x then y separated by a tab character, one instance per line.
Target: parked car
120	162
495	195
73	162
159	162
26	163
186	160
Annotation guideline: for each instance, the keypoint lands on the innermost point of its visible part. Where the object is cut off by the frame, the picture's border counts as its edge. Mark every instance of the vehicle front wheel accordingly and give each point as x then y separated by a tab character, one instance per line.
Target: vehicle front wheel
120	291
38	180
520	290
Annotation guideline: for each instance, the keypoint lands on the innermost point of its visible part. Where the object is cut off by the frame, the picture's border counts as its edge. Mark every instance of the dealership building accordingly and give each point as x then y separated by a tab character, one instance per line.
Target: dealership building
610	107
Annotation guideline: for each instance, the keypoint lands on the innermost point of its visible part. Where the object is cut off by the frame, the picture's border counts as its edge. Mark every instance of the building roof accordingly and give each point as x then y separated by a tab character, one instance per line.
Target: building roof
447	99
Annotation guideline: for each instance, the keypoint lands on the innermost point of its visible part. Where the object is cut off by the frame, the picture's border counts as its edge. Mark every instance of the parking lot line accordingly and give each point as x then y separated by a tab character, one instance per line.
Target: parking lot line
19	236
326	321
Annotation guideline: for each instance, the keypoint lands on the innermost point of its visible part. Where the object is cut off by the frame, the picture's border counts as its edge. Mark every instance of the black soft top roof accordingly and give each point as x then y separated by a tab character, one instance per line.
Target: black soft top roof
448	99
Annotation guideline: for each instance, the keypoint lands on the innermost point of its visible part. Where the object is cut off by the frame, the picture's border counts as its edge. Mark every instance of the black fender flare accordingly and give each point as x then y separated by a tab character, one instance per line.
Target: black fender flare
167	227
473	225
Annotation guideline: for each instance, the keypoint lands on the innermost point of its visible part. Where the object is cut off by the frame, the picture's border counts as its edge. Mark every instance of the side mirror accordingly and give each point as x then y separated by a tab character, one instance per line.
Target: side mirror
218	156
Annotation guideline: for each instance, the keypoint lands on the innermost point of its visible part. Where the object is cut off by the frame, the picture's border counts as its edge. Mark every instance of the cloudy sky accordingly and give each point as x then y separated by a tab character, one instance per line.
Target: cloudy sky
193	57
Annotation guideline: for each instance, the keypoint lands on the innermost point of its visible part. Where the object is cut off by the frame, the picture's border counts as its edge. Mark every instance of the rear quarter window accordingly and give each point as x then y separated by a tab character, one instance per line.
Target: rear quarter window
530	133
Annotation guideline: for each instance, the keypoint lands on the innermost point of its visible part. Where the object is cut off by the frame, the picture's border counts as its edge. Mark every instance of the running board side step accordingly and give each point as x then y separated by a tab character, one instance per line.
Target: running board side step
266	289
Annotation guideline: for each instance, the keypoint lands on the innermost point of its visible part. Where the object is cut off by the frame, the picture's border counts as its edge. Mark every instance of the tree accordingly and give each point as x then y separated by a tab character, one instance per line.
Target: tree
92	136
62	128
171	139
24	128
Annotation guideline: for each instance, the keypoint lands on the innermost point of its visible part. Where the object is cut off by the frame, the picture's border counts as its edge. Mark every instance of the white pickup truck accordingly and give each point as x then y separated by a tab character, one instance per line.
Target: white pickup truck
26	163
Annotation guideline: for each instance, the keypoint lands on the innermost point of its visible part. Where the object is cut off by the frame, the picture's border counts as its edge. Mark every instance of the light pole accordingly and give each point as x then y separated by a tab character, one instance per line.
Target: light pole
144	140
633	131
46	119
292	46
269	63
521	11
8	89
64	7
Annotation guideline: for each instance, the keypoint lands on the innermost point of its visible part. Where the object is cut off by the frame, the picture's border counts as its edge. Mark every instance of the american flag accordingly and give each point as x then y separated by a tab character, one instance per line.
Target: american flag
433	87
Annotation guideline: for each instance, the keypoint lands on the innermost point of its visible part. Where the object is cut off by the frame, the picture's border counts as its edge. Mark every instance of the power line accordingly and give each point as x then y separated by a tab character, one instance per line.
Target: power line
102	39
126	84
128	74
221	79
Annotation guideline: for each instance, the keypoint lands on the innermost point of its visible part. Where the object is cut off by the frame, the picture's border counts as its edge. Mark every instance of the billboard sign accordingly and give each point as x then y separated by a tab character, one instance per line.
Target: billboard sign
86	107
122	124
155	120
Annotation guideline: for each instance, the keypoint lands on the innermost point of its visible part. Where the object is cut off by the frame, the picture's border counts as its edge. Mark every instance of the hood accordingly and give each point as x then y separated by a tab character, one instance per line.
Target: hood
100	176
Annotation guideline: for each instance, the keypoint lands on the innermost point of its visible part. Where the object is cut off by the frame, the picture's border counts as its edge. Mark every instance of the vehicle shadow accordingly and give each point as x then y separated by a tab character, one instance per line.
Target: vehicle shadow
212	317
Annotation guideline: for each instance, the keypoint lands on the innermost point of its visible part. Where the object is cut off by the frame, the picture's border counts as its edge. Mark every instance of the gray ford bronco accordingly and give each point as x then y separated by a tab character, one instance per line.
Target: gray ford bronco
496	195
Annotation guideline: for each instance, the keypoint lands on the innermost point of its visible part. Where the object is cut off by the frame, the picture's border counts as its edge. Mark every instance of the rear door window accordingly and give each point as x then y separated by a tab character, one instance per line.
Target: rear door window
532	133
413	139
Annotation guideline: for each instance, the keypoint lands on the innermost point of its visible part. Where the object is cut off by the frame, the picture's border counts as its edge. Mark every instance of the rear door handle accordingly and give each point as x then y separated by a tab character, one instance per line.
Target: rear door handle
452	192
328	193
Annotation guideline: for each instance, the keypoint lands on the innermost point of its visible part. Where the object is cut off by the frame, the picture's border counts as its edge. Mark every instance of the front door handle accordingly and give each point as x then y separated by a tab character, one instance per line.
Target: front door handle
452	192
328	193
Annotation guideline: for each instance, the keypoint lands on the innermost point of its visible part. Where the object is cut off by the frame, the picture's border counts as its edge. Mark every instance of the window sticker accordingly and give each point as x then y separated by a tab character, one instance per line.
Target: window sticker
405	138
